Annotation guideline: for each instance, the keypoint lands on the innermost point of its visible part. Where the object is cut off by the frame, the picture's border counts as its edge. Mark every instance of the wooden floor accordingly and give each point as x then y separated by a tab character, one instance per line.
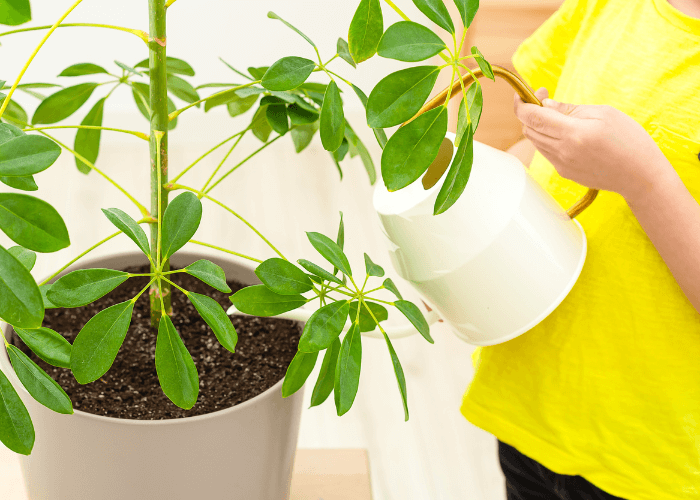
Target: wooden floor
437	454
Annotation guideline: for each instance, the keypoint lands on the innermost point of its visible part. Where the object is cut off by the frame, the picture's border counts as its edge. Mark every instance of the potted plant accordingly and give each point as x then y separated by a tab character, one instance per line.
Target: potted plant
247	448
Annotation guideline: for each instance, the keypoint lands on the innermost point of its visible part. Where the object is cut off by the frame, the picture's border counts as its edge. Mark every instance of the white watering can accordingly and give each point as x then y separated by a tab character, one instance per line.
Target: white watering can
498	261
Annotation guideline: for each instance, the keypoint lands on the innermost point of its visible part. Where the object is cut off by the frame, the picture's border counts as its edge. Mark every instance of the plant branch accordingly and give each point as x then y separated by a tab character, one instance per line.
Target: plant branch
216	170
6	101
177	112
141	208
140	135
206	154
141	34
225	250
169	3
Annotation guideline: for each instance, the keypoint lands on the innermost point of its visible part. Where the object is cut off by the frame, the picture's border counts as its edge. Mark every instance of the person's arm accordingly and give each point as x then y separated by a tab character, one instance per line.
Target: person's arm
601	147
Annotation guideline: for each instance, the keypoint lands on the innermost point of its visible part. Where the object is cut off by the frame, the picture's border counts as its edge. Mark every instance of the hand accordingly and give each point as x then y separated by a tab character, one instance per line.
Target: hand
596	146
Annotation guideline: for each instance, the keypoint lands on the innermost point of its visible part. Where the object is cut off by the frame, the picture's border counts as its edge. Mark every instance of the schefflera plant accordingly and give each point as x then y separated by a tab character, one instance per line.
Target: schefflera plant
398	97
287	103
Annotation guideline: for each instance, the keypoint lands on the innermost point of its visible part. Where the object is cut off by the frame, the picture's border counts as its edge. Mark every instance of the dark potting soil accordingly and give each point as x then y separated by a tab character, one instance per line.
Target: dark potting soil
130	389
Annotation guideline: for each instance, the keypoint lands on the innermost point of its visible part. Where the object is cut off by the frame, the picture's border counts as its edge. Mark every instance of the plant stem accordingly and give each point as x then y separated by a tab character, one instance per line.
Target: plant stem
31	58
241	163
141	34
175	113
216	170
169	3
140	135
224	250
158	151
205	155
144	211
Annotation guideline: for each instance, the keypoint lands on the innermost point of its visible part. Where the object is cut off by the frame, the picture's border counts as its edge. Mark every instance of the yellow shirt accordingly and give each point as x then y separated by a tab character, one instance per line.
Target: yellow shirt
608	386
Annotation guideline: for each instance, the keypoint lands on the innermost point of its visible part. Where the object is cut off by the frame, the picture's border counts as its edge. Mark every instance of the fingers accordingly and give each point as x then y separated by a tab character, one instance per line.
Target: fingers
544	120
542	93
540	140
562	107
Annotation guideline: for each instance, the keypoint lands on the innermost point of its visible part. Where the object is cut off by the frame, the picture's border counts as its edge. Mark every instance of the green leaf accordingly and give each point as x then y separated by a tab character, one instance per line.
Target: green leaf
32	223
340	240
302	135
26	257
258	73
43	289
319	271
483	64
372	268
347	371
367	323
415	316
324	326
411	150
260	126
177	373
475	102
283	277
84	286
400	95
98	343
332	119
389	285
344	52
436	11
223	97
14	13
27	155
128	226
272	15
16	428
467	11
209	273
277	118
410	42
14	113
288	73
62	104
23	182
330	251
141	93
366	30
87	141
48	344
127	68
326	377
172	65
340	153
42	387
234	70
82	69
20	298
400	378
180	222
457	176
258	300
299	115
357	146
298	371
240	105
182	89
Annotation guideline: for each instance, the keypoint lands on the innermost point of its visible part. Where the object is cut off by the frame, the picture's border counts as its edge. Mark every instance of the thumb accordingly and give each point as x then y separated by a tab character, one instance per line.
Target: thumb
563	107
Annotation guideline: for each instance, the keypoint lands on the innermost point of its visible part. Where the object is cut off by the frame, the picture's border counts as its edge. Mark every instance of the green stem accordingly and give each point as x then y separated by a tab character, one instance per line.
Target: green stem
216	170
175	285
141	34
80	256
329	60
175	113
6	101
374	289
241	163
143	290
378	300
158	151
337	75
224	250
206	154
169	3
140	135
144	211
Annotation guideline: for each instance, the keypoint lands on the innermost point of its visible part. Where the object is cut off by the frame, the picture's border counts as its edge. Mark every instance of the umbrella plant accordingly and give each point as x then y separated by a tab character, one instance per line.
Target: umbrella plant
282	102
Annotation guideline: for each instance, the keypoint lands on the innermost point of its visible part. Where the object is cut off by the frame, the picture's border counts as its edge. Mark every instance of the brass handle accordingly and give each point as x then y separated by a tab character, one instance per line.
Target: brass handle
526	94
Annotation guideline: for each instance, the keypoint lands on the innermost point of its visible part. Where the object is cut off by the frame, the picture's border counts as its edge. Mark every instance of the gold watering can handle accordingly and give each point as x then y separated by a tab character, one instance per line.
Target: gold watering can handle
526	94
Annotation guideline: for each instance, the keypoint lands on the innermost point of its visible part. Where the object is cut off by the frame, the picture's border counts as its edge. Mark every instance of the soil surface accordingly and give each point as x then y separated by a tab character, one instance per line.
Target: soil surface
130	389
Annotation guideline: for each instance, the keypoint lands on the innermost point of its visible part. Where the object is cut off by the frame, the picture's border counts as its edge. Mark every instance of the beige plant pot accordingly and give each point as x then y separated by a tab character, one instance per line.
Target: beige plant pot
242	453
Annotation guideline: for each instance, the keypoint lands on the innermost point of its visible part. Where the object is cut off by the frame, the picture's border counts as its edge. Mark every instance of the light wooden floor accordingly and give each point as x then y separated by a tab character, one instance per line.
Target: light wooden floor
437	454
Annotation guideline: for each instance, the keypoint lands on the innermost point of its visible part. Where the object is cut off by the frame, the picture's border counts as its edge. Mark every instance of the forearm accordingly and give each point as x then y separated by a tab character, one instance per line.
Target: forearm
670	216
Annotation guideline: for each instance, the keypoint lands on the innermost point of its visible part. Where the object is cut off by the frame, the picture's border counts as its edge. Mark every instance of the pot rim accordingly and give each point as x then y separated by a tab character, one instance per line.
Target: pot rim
128	421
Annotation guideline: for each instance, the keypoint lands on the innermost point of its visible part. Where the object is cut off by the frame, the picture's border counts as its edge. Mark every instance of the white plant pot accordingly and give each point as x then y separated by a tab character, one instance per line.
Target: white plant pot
496	263
245	452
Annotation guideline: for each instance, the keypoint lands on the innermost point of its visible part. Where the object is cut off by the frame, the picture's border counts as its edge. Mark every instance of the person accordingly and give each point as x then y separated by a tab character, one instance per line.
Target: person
602	398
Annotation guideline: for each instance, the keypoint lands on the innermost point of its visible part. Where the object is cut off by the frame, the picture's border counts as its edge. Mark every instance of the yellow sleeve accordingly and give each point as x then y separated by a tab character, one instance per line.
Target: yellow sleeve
540	58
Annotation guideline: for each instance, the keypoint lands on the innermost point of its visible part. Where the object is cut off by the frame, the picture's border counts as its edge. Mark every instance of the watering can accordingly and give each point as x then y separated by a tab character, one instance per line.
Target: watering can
498	261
